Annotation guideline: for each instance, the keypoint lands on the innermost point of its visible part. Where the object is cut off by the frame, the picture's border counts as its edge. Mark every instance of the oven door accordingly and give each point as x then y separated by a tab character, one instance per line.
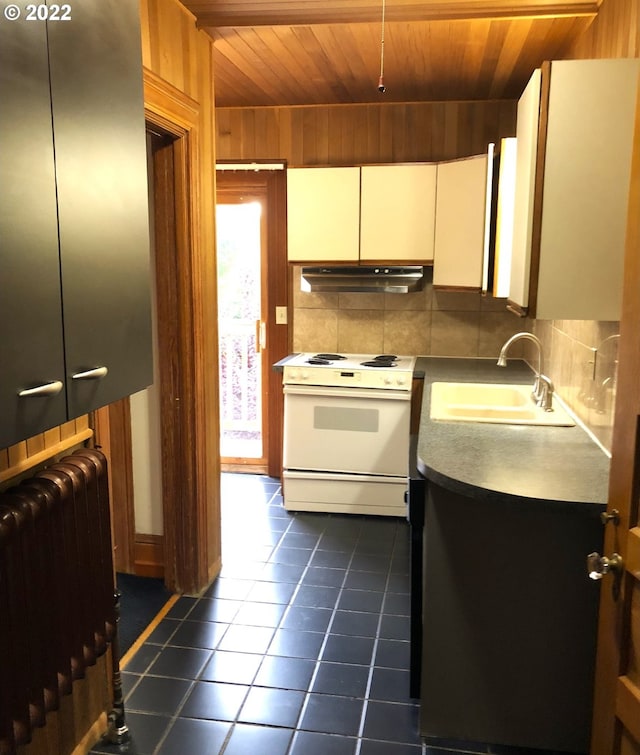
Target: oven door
353	430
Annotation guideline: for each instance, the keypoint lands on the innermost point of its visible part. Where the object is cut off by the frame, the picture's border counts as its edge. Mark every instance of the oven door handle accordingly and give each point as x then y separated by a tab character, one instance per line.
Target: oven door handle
390	394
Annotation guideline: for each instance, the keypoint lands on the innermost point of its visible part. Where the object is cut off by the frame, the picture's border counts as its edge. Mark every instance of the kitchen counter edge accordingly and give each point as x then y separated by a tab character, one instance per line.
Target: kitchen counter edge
555	466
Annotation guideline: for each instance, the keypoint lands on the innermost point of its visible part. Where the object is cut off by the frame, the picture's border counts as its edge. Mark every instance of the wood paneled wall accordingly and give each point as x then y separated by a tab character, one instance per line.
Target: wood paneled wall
355	134
174	50
33	452
615	33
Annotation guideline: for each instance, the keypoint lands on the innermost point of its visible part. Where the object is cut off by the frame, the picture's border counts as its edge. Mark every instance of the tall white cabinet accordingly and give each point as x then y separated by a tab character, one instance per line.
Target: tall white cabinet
575	132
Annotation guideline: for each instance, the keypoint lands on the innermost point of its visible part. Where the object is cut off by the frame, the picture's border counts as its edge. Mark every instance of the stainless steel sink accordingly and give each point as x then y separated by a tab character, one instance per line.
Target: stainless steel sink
493	402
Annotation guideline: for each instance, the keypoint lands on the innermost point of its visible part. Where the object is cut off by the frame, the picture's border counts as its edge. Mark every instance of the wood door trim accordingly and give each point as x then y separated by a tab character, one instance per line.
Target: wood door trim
187	323
632	560
627	704
168	107
112	433
278	294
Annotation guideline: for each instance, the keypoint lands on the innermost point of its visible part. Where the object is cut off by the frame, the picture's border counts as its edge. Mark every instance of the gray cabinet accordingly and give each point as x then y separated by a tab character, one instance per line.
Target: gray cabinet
30	305
74	262
509	620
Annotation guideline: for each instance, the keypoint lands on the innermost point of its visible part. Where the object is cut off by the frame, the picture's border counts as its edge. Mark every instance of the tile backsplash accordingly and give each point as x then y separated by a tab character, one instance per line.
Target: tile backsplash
426	322
580	357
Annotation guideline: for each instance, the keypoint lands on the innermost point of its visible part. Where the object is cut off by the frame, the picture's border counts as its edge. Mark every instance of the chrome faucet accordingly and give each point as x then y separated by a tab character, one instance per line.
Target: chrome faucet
542	393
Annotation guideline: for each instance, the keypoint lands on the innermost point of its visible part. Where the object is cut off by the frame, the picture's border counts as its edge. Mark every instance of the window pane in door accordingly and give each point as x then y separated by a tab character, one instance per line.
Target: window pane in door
239	315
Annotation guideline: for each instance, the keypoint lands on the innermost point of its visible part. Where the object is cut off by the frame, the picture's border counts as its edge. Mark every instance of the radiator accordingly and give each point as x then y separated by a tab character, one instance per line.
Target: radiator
57	610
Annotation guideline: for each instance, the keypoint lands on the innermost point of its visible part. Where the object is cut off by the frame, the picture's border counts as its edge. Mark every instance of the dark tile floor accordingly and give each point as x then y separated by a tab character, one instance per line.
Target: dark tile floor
300	647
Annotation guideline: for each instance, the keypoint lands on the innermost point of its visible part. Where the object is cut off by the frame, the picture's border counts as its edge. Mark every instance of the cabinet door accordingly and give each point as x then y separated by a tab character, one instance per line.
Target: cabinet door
397	213
526	157
323	214
460	220
99	136
30	311
575	131
587	170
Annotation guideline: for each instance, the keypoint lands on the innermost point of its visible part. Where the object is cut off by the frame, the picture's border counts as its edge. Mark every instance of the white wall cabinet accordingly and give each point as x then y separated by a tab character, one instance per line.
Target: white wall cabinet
574	139
323	214
377	213
460	223
397	213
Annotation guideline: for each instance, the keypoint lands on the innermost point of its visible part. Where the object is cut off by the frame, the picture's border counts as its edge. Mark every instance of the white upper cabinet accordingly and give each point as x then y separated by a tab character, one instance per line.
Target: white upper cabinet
574	141
397	213
460	223
323	214
377	213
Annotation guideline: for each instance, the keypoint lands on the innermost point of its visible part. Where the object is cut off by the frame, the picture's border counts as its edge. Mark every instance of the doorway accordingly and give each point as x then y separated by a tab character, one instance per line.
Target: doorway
252	314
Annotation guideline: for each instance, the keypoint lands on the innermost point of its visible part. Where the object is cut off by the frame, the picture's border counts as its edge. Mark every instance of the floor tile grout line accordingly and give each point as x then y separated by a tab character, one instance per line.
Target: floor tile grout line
365	706
174	718
323	645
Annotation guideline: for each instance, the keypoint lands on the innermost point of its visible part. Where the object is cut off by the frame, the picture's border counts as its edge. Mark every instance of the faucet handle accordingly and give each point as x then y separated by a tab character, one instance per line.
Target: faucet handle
543	391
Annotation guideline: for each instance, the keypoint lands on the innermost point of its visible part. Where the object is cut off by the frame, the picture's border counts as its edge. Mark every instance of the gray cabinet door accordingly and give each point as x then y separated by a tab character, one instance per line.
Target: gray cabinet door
100	156
31	349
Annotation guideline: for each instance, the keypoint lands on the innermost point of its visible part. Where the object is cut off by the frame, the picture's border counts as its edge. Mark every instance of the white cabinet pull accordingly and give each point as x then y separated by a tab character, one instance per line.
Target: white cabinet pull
95	374
48	389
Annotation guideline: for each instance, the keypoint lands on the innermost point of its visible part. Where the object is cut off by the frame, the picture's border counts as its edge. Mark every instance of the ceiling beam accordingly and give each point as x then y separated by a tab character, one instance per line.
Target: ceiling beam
226	13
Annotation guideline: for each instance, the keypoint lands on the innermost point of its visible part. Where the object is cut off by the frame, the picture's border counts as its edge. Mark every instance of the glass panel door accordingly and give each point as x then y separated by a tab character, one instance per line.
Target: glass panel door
241	325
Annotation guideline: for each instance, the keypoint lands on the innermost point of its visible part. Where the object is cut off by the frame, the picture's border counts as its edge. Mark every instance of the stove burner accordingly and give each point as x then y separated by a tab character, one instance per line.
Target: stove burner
379	363
329	357
382	360
318	360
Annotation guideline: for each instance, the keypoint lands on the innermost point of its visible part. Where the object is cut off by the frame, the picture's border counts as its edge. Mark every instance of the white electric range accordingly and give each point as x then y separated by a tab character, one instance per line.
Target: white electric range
346	433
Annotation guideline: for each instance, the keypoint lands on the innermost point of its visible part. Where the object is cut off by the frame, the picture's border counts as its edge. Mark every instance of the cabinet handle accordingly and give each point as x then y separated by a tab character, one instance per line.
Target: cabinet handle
48	389
95	374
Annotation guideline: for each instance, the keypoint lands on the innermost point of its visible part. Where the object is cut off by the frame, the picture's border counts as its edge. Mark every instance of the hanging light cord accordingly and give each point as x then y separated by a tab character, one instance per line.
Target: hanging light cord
381	86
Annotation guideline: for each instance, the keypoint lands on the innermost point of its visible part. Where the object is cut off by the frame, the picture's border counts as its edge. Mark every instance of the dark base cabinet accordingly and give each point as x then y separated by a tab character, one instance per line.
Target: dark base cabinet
509	621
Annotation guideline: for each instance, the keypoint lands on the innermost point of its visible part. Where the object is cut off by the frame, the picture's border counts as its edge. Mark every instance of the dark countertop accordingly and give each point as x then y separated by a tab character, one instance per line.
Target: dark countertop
521	463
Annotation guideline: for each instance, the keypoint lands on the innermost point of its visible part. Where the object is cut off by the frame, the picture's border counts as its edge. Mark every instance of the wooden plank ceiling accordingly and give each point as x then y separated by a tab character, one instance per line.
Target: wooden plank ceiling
301	52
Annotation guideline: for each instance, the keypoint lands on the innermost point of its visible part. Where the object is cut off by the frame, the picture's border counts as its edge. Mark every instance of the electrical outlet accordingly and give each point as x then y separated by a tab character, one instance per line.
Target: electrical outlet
281	315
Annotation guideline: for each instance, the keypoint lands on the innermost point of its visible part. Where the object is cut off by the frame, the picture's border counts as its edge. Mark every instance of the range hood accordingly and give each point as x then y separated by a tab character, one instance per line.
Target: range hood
382	279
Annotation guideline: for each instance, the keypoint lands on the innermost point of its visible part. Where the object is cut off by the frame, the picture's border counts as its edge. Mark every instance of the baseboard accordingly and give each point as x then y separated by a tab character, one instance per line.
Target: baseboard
149	555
